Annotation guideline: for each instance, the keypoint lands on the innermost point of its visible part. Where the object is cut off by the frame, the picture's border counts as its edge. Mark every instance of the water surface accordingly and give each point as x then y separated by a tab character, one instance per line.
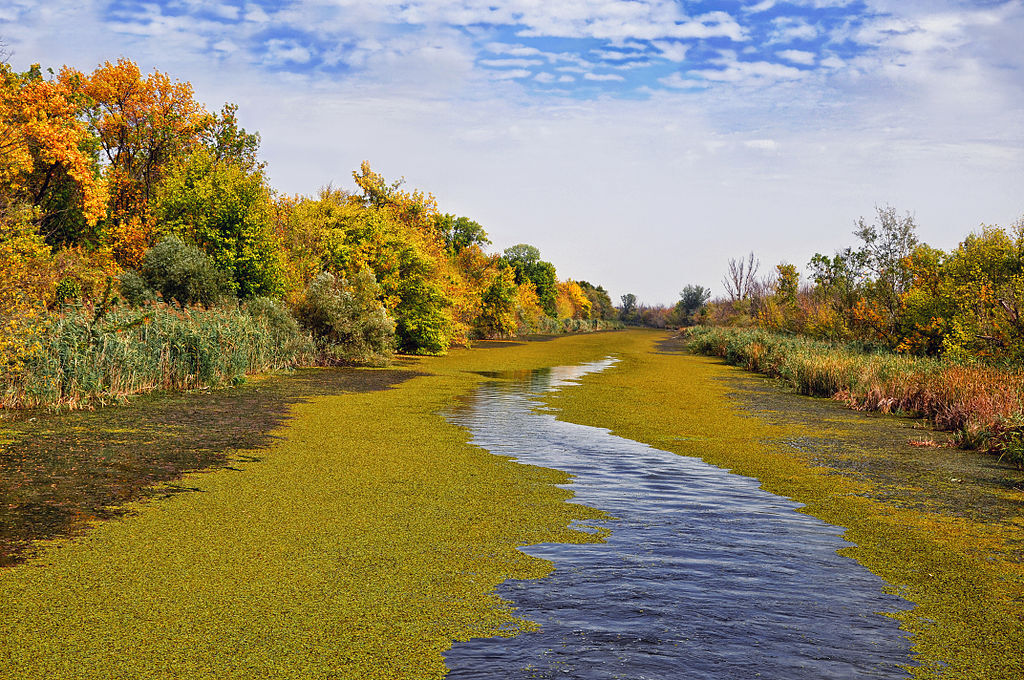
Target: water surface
703	575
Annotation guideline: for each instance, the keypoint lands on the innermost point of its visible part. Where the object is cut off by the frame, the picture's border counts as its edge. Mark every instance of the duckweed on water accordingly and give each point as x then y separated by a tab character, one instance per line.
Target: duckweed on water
59	471
962	568
368	538
371	535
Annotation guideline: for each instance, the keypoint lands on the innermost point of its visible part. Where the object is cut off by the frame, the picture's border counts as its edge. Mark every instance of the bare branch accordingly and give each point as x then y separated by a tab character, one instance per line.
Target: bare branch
741	280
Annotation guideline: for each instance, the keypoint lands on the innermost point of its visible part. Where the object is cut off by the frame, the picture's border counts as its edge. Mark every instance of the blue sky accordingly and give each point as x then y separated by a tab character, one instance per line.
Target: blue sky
638	143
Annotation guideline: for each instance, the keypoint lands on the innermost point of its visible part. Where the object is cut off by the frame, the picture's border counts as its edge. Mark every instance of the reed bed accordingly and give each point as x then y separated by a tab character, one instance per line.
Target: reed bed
982	406
83	358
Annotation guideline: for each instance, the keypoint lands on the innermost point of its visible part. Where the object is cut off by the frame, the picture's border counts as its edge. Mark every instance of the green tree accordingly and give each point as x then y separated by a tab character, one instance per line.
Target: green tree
692	301
497	316
224	210
227	141
601	306
984	279
525	261
885	246
628	311
459	233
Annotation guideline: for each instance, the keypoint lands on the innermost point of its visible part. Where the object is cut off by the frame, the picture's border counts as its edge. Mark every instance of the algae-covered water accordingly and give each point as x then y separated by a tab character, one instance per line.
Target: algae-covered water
59	470
702	575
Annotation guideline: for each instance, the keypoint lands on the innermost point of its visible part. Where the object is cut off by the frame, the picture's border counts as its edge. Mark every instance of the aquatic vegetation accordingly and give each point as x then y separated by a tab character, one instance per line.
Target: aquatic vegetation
86	356
61	470
962	569
982	406
370	534
369	537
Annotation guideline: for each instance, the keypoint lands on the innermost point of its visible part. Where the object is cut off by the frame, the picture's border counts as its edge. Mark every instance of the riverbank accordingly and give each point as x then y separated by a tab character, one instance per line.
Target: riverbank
81	358
981	406
946	535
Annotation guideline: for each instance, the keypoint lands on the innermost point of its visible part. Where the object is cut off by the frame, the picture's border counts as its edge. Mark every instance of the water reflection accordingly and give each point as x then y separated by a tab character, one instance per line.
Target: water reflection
704	575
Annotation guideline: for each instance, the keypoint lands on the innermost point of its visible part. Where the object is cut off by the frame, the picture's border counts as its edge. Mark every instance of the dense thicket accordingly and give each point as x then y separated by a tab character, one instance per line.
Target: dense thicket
122	195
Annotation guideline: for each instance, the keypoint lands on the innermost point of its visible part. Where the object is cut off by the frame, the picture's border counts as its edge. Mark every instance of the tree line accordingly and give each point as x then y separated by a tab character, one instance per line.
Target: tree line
889	290
118	188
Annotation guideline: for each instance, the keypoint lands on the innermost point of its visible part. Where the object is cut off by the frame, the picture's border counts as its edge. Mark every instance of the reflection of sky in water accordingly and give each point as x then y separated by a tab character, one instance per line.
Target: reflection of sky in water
704	575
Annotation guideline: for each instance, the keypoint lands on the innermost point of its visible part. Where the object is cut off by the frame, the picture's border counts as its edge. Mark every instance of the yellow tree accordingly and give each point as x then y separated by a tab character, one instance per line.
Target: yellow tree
44	145
570	300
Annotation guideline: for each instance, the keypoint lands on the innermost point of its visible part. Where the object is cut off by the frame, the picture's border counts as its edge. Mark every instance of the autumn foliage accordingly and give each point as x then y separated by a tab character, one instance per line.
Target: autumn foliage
119	191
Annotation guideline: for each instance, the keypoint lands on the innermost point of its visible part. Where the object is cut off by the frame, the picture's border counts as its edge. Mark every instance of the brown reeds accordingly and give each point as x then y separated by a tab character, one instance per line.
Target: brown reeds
983	406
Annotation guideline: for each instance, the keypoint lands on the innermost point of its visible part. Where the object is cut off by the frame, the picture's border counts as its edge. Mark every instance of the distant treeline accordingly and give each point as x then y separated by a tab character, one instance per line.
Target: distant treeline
889	291
128	210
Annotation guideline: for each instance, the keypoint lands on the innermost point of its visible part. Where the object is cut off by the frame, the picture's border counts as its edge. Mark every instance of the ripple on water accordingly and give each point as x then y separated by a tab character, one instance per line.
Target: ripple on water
704	575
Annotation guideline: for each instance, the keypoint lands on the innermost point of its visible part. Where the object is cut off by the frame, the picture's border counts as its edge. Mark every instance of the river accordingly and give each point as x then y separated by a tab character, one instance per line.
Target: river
703	574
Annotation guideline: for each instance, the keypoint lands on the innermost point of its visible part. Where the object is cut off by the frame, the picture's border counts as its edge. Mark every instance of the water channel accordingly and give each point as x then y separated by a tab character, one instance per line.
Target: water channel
703	575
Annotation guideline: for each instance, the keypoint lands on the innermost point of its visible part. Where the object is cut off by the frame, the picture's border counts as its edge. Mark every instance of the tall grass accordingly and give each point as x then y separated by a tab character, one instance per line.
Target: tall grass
545	325
982	406
81	358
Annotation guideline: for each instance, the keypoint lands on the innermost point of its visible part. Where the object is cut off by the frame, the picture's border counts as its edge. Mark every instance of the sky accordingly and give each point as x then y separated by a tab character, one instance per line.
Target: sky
639	144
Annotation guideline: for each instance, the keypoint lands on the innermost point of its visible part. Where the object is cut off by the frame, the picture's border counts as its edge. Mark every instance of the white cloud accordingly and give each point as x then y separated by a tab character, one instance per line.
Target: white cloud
225	46
503	63
516	50
672	50
833	62
510	75
788	29
602	77
678	82
751	73
763	6
281	52
613	55
255	14
761	144
798	57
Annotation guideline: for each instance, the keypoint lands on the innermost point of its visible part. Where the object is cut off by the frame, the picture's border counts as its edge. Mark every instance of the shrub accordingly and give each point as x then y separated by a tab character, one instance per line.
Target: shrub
348	321
282	329
183	273
134	289
68	290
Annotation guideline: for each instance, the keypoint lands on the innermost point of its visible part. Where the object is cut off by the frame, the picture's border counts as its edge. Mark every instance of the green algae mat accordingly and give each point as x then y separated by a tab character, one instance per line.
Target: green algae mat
368	535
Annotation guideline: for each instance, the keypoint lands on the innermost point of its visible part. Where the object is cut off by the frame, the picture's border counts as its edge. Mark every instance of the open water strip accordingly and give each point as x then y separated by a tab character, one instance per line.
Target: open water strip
703	574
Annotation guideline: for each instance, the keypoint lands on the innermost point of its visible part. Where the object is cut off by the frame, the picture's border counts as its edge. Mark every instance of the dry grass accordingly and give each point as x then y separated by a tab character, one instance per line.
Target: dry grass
982	406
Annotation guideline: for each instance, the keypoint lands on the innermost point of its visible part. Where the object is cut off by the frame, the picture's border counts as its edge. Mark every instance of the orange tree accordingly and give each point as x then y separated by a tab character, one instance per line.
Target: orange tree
47	155
142	124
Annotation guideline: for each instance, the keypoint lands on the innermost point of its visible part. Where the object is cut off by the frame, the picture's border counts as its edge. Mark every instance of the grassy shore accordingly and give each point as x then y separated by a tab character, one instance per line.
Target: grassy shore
82	358
982	406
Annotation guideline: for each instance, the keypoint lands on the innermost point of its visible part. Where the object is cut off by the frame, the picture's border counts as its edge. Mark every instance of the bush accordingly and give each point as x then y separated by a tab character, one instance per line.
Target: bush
181	273
348	322
134	289
282	328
